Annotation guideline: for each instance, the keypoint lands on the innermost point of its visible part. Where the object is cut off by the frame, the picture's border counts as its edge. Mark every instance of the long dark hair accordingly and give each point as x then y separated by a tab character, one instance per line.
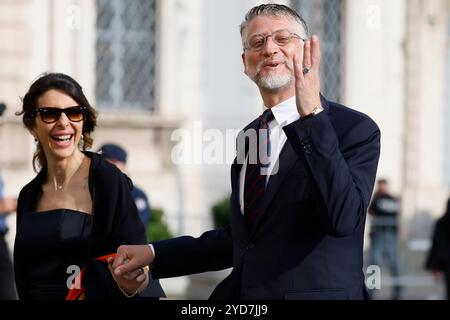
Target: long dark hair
69	86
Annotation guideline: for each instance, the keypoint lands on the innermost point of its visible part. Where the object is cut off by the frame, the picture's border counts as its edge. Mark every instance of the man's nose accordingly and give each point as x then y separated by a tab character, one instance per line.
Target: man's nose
270	47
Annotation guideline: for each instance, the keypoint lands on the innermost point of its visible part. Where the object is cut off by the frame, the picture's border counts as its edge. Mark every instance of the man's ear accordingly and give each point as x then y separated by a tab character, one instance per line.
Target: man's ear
244	62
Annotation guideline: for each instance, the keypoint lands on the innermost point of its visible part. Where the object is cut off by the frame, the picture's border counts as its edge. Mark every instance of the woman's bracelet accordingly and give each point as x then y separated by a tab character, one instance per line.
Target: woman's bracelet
145	270
126	294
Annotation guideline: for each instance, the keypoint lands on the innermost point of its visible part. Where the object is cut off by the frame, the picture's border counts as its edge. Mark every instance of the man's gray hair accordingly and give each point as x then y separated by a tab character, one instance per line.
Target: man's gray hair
272	10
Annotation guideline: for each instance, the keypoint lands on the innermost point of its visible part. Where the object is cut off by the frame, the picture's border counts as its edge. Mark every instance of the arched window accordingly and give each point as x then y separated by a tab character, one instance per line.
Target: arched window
125	68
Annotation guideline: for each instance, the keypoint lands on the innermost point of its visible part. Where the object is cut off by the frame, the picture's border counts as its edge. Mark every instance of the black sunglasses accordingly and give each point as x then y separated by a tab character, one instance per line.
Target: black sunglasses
51	115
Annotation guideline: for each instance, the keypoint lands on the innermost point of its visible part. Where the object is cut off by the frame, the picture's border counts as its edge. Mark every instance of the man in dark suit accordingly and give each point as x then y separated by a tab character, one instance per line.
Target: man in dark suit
301	183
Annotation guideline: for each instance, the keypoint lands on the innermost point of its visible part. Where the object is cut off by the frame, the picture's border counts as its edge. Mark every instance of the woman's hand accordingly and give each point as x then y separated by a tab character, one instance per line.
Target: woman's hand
131	283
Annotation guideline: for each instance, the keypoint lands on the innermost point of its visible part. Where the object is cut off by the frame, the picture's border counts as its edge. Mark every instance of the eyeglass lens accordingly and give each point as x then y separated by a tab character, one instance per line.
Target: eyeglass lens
281	38
50	115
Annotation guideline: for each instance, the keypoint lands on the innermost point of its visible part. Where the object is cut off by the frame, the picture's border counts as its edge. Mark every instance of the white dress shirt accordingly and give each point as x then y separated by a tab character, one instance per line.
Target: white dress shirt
285	113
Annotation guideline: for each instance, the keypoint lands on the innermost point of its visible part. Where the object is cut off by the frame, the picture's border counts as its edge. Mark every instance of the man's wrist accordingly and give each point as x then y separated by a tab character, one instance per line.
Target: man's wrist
152	253
313	113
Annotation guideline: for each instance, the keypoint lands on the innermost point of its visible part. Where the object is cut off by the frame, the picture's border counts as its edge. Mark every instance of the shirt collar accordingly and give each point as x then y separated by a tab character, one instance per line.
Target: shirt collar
286	112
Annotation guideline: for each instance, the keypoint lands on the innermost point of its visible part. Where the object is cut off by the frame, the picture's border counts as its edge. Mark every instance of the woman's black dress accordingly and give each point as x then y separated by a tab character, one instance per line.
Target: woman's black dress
53	247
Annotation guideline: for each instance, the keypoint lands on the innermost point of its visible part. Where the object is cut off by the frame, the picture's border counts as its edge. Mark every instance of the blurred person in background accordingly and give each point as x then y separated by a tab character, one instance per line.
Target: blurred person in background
118	156
79	207
7	206
438	260
384	212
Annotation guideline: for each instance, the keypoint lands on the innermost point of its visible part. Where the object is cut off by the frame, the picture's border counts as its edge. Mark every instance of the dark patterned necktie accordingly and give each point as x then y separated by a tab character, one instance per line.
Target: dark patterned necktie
255	173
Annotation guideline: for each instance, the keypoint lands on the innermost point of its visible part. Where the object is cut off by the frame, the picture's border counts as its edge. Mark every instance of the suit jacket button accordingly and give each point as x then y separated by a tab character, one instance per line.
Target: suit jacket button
250	246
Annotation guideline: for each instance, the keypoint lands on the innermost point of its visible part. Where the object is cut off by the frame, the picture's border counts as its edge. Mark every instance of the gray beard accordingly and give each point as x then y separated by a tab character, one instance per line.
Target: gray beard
273	81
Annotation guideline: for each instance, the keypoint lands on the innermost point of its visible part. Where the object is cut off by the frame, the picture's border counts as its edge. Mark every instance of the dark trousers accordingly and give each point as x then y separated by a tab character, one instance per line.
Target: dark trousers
7	284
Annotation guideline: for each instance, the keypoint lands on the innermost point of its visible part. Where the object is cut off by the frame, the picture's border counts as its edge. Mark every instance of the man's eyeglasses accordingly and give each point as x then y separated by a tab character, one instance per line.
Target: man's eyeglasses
280	37
51	115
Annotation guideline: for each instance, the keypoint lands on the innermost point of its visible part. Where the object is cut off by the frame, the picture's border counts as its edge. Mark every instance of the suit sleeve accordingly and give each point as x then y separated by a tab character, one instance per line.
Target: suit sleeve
343	168
212	251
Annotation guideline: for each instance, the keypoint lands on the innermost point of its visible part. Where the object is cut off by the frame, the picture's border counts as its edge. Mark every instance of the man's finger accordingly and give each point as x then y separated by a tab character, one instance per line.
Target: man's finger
133	274
298	68
315	52
129	269
120	257
307	55
142	276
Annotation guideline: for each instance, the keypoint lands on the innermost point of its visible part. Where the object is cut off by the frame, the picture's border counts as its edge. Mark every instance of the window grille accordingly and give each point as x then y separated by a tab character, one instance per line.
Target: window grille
324	18
125	68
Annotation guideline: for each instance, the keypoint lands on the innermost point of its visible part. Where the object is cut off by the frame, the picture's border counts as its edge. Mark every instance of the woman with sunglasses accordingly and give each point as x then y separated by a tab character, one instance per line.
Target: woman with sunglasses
78	207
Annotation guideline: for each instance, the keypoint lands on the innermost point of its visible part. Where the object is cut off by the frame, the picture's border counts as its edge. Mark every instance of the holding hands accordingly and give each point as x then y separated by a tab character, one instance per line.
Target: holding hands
130	268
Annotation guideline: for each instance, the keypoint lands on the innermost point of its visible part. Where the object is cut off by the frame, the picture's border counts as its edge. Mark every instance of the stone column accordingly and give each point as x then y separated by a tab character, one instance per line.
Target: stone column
424	191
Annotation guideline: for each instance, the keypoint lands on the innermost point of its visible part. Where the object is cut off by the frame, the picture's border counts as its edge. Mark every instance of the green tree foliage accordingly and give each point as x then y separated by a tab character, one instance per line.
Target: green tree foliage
221	212
157	230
